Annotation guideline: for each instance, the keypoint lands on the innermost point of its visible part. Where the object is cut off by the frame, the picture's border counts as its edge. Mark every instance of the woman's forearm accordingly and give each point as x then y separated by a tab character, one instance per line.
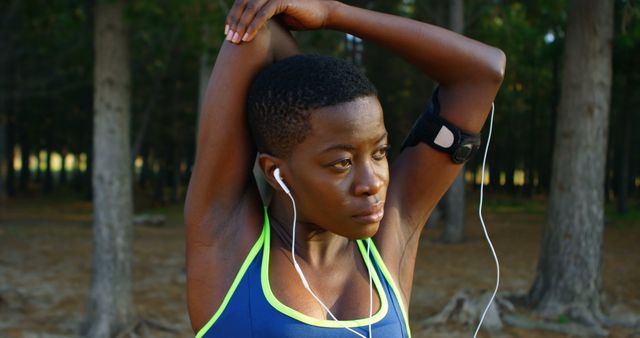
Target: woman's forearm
223	136
445	56
469	72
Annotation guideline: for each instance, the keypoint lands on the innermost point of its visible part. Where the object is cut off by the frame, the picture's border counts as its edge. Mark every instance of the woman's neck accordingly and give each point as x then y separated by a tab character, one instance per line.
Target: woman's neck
314	245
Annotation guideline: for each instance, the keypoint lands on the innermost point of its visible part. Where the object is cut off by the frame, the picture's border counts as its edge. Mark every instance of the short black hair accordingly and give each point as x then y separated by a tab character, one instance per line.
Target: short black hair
283	94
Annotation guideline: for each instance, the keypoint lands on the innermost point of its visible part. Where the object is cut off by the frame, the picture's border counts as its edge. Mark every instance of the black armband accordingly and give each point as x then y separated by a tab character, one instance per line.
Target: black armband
441	135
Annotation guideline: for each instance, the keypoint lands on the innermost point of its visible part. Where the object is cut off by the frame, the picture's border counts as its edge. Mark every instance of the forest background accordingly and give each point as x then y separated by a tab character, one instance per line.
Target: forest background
47	89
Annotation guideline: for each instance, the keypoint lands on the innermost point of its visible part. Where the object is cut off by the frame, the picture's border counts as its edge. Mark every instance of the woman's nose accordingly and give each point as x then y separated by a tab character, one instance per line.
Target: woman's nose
369	180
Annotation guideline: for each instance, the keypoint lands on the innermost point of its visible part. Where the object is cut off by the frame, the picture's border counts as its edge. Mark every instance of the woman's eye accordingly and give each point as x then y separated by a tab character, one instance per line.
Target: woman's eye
342	164
381	153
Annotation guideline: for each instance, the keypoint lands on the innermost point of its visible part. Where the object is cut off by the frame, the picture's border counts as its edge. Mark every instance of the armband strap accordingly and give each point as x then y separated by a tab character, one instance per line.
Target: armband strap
441	135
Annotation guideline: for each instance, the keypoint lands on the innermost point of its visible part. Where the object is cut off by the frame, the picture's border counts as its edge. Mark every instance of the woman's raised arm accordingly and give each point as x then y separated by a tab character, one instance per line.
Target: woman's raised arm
225	154
222	211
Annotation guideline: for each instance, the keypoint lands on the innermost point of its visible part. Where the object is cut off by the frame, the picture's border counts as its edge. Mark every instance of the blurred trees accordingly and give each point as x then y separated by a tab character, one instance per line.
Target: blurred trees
46	90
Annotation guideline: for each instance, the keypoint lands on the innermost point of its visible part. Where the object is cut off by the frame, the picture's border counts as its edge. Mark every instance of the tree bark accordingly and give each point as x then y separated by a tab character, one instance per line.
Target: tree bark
568	279
454	205
110	306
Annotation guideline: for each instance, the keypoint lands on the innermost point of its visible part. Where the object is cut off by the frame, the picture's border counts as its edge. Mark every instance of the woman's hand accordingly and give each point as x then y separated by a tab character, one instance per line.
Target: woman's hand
247	17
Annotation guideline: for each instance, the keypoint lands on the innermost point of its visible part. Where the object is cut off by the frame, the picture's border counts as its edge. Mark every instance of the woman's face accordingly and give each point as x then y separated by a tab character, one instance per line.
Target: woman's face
339	174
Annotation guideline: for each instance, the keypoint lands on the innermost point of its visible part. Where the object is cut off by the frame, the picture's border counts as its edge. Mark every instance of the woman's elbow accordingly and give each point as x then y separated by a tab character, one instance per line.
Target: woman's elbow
496	66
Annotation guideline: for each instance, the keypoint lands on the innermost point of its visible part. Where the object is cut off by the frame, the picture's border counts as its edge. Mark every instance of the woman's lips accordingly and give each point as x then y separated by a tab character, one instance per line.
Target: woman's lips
373	215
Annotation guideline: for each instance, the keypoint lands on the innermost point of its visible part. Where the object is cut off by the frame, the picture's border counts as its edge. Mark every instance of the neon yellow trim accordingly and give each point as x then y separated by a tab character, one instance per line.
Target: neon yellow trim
271	298
243	269
387	275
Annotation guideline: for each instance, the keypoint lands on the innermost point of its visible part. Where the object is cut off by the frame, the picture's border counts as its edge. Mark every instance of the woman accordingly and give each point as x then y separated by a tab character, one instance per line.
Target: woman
318	127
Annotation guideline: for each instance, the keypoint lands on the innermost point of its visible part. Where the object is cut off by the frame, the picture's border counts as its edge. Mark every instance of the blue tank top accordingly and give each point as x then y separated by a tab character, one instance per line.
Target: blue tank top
250	308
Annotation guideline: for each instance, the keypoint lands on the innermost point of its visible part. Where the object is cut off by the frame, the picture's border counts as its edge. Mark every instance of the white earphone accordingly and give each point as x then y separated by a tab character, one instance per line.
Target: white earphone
276	175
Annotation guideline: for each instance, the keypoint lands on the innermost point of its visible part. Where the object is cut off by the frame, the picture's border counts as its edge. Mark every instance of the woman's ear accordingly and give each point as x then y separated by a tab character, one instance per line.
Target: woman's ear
268	164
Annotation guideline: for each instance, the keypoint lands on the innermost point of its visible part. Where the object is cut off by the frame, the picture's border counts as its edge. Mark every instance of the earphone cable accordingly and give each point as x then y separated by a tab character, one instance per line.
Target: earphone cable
368	263
308	287
484	228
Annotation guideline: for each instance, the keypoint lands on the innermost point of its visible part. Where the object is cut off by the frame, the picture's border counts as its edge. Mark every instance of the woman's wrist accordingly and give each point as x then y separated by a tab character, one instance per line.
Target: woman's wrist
334	13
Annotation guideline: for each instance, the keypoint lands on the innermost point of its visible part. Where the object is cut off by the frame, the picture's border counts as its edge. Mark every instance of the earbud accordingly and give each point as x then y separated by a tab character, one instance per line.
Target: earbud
276	175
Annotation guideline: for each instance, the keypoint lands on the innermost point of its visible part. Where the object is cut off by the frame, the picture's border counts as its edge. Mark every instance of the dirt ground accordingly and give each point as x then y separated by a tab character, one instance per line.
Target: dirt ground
46	248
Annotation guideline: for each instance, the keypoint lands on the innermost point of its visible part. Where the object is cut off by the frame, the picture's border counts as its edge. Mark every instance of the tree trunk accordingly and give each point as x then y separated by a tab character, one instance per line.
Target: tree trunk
456	15
159	182
38	176
25	172
110	306
144	169
6	47
510	169
87	179
568	278
64	175
204	72
175	175
454	198
3	164
454	211
623	162
10	154
494	175
47	187
78	175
